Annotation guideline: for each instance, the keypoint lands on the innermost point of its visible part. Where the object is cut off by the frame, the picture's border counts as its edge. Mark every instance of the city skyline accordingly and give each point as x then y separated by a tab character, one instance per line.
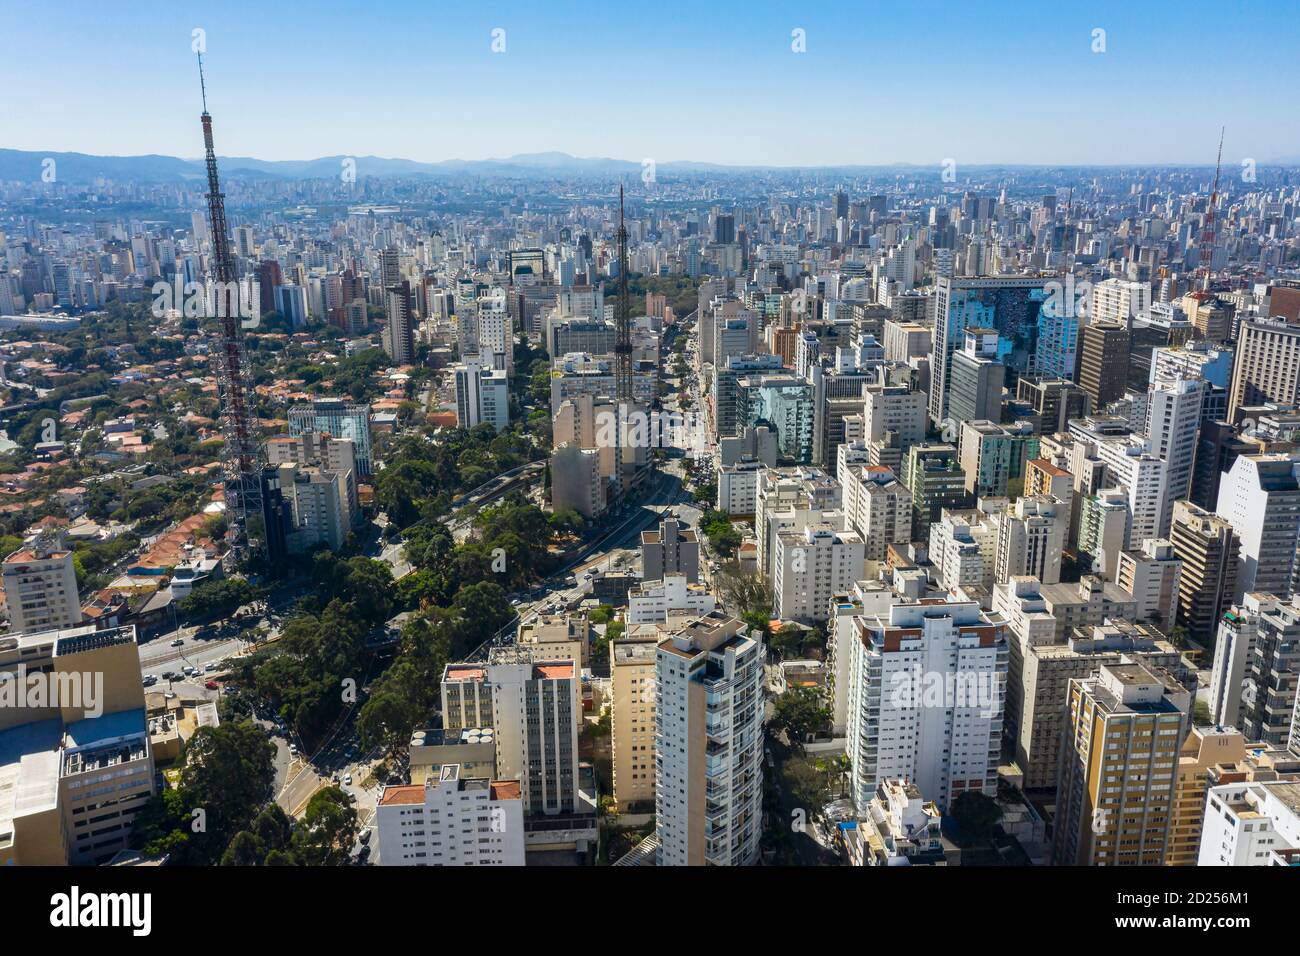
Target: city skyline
1071	96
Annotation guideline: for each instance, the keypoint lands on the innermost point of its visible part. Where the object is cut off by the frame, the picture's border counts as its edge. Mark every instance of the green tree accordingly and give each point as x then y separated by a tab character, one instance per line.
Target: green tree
328	829
228	772
974	815
800	713
217	599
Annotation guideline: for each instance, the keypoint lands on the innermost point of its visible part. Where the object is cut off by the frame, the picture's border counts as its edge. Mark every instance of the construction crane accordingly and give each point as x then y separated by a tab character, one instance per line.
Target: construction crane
1206	250
240	457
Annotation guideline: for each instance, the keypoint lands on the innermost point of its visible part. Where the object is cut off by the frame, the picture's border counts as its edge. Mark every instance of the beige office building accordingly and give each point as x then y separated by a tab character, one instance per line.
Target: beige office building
1267	365
76	764
1039	680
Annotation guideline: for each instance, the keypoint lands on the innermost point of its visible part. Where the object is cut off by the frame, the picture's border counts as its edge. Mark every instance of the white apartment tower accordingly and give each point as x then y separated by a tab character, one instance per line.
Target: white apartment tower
1031	534
709	745
927	684
531	704
810	566
40	588
1173	418
451	820
1260	496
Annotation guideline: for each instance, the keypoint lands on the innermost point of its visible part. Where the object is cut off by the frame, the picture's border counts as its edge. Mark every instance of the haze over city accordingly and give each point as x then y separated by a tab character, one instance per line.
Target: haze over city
716	82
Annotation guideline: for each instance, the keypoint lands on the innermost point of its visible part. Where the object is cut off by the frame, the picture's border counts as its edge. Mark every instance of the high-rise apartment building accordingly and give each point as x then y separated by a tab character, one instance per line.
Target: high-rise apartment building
933	476
1260	498
1256	668
40	588
1031	535
1119	767
1039	679
876	506
399	330
1151	574
530	700
993	454
926	688
1266	367
1204	750
1120	301
709	745
810	565
482	396
632	717
1208	547
451	820
1172	422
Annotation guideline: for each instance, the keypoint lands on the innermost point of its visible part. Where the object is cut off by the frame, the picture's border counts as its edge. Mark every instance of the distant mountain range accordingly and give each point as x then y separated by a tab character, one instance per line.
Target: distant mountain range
80	168
18	164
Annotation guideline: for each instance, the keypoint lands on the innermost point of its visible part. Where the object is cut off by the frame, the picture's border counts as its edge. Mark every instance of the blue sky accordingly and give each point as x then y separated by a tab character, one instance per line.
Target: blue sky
716	81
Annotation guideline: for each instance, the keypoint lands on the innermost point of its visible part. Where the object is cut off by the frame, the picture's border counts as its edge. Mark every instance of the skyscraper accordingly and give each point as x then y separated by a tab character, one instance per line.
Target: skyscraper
1208	547
1116	792
926	688
399	338
1267	365
709	745
1103	362
1173	420
1009	306
1260	497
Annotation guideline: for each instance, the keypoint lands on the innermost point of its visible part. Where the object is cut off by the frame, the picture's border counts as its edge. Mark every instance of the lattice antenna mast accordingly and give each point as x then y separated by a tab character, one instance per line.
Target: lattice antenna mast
623	340
1205	252
241	463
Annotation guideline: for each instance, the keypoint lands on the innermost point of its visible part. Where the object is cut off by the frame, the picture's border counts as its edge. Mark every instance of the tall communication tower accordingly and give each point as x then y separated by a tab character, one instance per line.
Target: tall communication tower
623	339
1205	252
242	467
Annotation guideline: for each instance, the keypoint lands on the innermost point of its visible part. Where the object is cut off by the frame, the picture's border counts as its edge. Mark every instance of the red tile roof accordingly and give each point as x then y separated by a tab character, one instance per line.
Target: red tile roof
402	796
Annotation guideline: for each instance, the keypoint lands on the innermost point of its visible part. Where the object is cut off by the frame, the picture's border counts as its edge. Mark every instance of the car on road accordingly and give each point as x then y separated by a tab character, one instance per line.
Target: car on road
179	642
293	750
149	680
347	780
212	685
210	666
365	837
188	669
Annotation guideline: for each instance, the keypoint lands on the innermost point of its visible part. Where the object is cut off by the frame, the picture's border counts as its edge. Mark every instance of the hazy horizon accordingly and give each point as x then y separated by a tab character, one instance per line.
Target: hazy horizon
1016	85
